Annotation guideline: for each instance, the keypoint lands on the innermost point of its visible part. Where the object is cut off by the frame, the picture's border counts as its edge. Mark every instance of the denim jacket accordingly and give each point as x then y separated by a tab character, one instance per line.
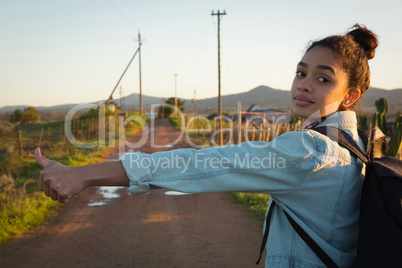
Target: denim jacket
310	176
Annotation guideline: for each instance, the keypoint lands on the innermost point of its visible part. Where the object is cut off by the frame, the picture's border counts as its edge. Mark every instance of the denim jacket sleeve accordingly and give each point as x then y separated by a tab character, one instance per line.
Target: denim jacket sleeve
276	167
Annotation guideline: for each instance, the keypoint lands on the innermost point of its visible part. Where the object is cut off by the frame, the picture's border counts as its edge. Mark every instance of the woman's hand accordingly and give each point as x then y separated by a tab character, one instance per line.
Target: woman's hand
58	181
61	182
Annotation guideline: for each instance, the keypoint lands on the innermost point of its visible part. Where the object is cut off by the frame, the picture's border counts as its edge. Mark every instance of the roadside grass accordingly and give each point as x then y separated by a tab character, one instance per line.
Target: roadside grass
22	210
192	124
22	206
197	131
256	203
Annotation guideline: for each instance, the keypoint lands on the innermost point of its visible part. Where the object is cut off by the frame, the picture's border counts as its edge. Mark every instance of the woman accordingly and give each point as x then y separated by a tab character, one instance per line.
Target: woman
312	178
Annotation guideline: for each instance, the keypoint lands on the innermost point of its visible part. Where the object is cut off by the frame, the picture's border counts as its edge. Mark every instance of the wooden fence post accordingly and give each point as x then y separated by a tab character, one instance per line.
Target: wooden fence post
264	126
40	137
20	140
64	140
268	133
93	128
87	125
74	128
239	120
278	129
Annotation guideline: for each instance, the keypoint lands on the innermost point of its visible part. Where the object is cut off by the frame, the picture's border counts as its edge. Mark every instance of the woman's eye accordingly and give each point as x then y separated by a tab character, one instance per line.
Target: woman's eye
322	79
299	73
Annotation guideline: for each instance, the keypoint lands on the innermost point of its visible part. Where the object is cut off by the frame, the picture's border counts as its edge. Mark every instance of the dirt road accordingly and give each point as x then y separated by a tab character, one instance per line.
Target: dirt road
102	227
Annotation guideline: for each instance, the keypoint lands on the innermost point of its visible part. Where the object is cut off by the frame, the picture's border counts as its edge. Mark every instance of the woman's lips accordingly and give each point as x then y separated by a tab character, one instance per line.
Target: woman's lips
301	100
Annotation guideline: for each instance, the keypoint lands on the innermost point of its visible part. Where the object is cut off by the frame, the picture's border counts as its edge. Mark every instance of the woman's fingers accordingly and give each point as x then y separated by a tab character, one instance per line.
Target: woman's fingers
41	178
46	188
53	195
63	197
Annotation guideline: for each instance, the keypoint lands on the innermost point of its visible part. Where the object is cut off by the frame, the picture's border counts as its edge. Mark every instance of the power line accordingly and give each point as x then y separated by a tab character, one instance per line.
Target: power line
195	56
121	14
105	16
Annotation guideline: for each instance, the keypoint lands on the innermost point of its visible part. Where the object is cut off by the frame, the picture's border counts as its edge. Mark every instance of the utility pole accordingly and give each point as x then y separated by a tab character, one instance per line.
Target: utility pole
219	14
195	111
139	57
195	104
121	99
175	93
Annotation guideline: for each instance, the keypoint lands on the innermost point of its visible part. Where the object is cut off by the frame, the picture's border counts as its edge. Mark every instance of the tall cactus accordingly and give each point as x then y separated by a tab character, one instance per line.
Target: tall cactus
379	117
362	123
396	137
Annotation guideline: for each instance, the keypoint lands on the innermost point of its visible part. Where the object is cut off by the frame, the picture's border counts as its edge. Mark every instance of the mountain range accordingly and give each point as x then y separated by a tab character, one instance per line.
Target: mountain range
264	96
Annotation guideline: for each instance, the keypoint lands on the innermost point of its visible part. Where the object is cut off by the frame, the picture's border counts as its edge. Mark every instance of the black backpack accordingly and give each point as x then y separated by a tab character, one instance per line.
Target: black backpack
380	220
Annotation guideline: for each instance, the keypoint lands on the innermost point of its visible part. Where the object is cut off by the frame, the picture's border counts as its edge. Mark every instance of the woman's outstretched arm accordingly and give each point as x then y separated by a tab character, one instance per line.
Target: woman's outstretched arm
61	182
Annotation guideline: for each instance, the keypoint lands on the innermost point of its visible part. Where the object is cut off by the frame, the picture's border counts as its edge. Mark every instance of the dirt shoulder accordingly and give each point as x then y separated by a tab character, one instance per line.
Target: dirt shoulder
103	227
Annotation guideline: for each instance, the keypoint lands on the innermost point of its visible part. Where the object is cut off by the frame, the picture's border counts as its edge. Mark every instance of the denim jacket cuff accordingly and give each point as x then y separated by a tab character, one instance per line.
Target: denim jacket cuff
136	173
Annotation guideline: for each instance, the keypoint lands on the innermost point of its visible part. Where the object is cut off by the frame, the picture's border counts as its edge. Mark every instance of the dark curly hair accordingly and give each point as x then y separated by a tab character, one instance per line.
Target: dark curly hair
354	49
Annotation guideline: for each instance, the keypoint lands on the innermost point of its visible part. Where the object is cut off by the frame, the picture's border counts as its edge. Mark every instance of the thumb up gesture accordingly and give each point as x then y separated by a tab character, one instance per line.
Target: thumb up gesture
58	181
61	182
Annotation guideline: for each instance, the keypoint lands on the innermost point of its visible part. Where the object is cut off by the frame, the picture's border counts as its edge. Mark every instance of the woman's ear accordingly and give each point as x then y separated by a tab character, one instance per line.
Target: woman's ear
351	97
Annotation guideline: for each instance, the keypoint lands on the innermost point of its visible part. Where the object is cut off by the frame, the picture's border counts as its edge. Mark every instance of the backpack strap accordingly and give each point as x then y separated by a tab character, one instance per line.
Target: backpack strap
311	243
306	238
363	137
343	139
266	231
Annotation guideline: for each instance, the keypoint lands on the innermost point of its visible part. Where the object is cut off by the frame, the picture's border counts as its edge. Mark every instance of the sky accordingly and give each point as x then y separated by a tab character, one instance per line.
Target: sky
74	51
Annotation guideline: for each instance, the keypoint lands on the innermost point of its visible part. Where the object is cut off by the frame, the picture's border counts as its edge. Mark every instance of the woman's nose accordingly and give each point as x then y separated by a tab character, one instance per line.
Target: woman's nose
305	85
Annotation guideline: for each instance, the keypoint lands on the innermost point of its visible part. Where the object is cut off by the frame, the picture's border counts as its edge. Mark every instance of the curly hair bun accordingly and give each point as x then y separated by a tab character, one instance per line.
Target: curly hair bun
365	38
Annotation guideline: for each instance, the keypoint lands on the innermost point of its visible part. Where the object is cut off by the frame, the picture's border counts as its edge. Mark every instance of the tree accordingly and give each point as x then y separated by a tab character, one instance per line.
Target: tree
16	116
165	111
215	114
110	110
30	115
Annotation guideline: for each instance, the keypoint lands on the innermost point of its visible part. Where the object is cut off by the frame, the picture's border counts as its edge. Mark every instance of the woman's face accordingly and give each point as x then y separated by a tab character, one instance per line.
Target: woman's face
320	84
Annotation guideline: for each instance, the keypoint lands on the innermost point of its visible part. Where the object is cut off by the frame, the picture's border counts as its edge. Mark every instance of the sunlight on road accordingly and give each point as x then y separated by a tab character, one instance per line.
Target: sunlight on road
175	193
161	217
108	192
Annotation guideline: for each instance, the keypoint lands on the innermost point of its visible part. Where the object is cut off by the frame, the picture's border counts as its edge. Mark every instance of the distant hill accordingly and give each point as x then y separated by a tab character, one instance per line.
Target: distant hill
57	108
131	100
267	97
264	96
394	98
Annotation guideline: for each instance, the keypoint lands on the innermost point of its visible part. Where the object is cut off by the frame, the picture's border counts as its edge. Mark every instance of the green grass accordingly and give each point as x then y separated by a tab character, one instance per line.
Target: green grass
256	203
22	206
197	123
21	211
